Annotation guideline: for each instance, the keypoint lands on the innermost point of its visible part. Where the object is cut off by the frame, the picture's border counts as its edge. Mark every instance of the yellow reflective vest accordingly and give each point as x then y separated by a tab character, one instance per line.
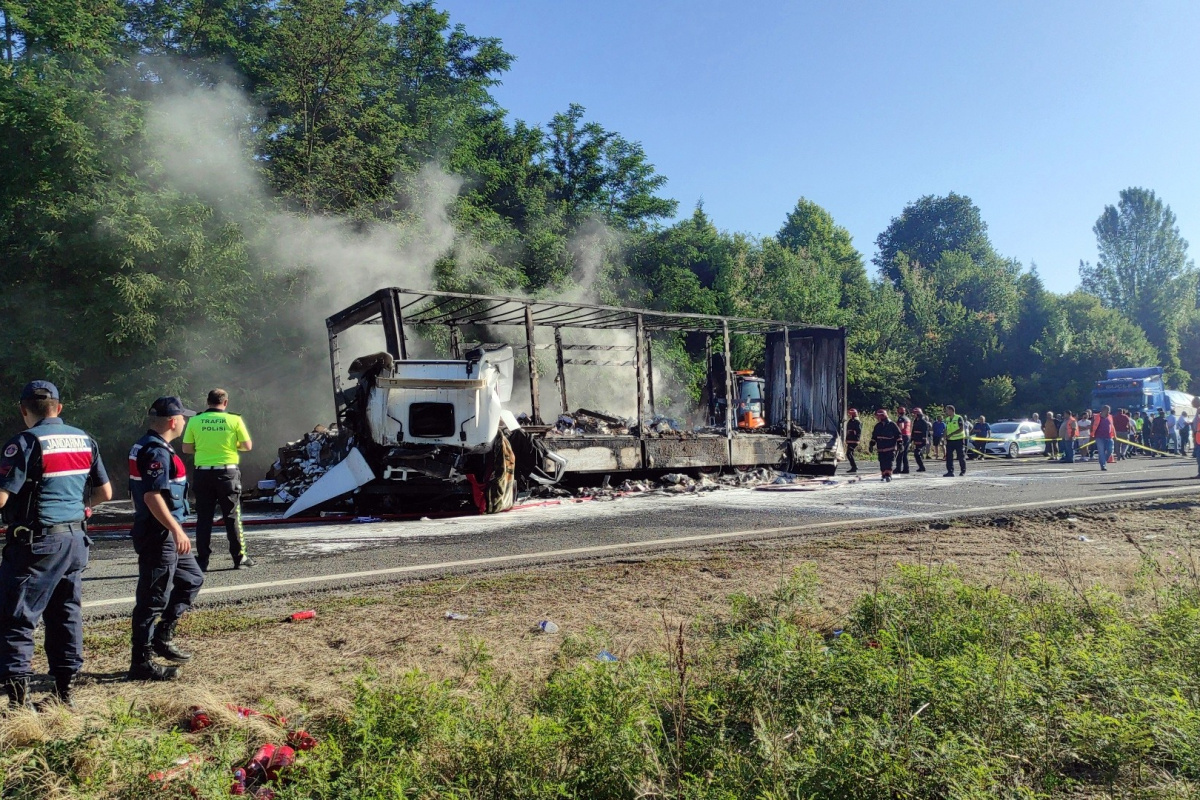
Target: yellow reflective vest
956	428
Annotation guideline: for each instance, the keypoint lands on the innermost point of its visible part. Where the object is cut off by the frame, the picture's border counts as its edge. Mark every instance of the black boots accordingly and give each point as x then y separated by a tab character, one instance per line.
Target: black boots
164	644
142	667
61	693
17	690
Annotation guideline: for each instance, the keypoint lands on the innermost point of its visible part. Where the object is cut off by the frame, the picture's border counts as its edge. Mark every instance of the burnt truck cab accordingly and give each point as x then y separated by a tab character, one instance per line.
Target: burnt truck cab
456	403
437	430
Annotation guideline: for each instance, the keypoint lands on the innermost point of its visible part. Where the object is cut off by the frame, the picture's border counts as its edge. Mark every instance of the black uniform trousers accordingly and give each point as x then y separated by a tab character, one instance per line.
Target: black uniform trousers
918	451
41	580
167	582
218	488
956	447
850	448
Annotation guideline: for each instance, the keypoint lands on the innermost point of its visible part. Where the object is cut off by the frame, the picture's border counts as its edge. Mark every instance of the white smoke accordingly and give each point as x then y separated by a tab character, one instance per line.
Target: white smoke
201	138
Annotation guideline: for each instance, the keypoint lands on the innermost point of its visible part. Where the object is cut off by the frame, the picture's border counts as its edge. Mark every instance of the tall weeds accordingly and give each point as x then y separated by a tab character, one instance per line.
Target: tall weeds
930	687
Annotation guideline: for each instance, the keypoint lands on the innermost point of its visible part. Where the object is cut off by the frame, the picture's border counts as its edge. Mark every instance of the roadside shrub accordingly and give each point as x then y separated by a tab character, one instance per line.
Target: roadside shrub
932	687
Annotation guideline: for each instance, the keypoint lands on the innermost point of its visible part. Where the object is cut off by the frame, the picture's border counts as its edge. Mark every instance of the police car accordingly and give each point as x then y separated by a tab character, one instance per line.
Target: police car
1016	439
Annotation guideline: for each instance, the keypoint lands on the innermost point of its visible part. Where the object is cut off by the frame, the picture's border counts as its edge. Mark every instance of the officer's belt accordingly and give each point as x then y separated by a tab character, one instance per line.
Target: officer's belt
220	466
27	533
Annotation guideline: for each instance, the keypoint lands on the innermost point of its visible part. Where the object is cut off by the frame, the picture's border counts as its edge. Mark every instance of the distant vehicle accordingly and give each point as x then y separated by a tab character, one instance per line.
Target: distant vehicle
1139	389
1018	439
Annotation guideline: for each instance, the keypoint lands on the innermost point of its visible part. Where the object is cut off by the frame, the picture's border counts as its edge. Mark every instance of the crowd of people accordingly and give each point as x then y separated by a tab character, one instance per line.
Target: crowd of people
1104	436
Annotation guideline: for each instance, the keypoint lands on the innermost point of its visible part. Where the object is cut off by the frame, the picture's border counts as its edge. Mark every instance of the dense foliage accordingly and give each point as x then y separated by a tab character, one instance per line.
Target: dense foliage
190	185
930	688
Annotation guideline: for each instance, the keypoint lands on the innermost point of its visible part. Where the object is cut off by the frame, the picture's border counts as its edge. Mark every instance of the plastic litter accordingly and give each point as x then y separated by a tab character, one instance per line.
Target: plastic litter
302	615
364	520
1085	539
181	768
301	740
198	720
454	615
239	782
247	713
606	656
547	626
256	770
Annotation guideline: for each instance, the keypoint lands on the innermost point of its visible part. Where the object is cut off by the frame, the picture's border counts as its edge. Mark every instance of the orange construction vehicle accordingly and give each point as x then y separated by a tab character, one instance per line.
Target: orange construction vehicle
749	407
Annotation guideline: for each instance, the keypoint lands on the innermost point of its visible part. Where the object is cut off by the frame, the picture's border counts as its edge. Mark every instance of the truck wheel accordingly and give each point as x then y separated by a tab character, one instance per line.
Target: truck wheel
1013	450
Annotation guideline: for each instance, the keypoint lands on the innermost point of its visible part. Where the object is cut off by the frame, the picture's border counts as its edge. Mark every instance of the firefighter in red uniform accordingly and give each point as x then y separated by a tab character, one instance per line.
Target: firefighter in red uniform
853	437
921	433
885	438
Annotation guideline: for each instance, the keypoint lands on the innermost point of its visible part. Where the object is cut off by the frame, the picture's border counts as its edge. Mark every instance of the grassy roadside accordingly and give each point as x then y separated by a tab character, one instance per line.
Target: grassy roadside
1005	659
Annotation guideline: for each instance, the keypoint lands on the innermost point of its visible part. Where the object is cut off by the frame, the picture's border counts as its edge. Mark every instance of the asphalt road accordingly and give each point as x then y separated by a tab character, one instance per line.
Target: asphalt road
303	558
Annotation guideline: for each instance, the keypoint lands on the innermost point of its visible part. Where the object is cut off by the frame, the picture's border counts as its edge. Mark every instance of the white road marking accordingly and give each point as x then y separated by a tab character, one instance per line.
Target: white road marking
612	548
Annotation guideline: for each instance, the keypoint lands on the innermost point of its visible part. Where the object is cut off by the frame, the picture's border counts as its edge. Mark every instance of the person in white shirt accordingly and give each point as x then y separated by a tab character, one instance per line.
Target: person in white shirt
1172	433
1085	436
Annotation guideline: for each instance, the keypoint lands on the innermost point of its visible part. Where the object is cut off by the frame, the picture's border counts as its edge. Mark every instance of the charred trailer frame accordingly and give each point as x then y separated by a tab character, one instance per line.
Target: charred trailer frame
804	369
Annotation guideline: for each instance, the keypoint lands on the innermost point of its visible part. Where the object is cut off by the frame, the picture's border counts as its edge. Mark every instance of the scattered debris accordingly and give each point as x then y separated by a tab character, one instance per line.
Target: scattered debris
606	656
198	719
300	464
365	520
302	740
586	422
302	615
454	615
546	626
182	767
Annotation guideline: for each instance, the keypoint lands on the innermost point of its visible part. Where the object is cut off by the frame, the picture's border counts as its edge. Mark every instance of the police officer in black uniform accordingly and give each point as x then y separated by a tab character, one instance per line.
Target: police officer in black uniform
168	576
48	474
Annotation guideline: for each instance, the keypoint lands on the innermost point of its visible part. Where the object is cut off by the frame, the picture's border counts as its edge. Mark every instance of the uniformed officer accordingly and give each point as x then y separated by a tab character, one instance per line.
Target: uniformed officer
215	437
853	437
168	576
47	475
956	441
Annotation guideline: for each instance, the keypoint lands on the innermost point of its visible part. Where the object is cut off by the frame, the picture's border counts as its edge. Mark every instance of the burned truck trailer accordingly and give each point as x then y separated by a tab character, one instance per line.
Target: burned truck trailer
438	428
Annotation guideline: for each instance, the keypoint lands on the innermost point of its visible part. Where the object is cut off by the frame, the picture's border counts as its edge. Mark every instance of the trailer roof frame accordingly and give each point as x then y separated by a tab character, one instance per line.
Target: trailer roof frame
504	310
396	307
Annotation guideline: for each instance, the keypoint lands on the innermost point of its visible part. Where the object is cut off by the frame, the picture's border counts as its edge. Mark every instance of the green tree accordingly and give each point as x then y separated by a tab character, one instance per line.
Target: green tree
1143	270
810	229
599	172
930	227
1082	340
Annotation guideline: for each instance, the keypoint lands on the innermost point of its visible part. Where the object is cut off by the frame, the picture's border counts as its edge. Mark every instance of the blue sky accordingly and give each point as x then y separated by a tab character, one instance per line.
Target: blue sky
1041	112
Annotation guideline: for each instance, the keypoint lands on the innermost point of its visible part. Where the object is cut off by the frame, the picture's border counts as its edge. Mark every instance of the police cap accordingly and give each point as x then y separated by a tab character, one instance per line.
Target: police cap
169	407
39	390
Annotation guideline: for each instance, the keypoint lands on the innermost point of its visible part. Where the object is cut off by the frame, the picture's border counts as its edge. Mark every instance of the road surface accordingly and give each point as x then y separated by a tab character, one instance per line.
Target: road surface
301	558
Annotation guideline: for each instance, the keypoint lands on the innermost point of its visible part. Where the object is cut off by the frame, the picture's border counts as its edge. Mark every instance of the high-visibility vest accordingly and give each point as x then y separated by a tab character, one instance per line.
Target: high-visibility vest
956	428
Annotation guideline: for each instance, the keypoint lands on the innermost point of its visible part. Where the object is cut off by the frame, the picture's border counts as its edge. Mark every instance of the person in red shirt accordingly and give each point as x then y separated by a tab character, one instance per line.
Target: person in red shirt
1069	430
1122	423
1104	432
